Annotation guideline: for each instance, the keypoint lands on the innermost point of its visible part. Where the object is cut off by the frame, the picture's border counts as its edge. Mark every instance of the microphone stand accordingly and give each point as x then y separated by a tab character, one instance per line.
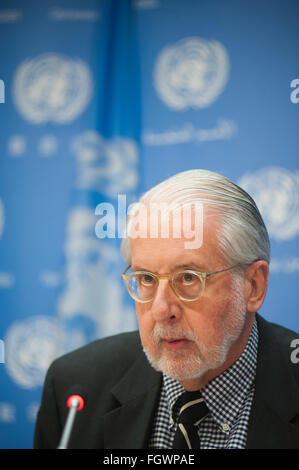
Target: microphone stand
69	424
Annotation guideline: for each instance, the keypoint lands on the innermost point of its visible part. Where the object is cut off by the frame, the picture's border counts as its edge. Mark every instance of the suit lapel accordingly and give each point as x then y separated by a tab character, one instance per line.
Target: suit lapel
129	425
276	399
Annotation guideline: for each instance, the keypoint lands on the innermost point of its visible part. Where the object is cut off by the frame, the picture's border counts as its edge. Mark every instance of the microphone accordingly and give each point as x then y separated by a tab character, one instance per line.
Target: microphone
75	402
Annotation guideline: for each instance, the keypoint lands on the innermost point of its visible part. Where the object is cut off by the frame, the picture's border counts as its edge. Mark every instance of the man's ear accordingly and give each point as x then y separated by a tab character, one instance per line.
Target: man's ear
256	281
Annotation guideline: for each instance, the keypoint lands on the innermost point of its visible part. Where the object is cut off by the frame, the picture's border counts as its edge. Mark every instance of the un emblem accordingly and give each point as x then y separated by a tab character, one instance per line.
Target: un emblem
31	345
92	303
191	73
276	193
109	166
52	88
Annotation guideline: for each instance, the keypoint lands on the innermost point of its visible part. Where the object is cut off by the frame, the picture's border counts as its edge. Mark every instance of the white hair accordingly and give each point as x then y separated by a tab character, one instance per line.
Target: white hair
242	235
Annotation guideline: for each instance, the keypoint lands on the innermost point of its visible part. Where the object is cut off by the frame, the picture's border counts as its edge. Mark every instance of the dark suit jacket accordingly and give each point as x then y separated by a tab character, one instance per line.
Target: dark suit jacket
123	394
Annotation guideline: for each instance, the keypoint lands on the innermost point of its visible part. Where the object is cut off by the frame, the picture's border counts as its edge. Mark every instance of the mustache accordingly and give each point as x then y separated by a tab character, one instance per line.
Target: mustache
166	331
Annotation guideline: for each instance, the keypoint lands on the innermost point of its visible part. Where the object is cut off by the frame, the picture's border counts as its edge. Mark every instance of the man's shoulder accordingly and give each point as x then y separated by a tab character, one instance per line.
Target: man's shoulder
105	355
276	345
276	331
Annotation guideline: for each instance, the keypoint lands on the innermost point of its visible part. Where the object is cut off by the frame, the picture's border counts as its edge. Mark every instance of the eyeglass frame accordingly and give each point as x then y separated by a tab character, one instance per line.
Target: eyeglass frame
170	277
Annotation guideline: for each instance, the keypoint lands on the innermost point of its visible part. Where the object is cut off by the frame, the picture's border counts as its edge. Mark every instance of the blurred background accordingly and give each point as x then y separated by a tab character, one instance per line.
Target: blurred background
103	98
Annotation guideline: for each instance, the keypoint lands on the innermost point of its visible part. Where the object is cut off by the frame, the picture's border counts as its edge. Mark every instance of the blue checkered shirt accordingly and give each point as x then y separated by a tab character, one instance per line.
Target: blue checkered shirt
228	397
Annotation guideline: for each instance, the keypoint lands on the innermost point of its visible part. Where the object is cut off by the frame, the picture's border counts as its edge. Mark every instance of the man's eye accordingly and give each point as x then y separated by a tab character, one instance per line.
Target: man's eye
188	278
147	279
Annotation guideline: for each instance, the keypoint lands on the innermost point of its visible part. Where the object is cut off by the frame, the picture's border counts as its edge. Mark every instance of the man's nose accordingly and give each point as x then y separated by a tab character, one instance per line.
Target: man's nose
166	305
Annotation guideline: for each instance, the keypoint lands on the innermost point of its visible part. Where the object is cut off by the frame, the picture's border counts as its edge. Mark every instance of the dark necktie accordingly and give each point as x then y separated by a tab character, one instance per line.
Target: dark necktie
190	409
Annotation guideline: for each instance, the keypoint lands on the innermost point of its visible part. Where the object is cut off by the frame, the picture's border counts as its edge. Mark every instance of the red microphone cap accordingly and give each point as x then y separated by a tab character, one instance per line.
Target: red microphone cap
76	397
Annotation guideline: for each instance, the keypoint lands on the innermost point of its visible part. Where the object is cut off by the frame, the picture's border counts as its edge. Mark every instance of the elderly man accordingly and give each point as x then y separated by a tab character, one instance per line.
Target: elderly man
204	370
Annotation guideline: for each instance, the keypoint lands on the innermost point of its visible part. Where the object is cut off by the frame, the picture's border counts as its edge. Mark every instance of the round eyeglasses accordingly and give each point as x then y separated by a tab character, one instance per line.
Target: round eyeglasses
187	284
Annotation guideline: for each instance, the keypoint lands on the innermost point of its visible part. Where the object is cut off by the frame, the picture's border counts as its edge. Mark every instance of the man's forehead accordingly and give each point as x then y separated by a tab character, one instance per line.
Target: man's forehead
185	226
154	254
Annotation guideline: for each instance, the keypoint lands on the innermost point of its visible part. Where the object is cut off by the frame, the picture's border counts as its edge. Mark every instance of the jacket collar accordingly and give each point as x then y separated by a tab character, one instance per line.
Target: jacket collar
130	424
276	399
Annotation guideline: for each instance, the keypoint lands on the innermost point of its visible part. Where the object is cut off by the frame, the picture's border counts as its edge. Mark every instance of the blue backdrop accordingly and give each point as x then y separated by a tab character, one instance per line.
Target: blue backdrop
109	97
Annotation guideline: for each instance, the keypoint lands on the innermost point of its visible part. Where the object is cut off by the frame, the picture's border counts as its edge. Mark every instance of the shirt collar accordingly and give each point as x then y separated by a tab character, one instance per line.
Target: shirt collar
225	394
